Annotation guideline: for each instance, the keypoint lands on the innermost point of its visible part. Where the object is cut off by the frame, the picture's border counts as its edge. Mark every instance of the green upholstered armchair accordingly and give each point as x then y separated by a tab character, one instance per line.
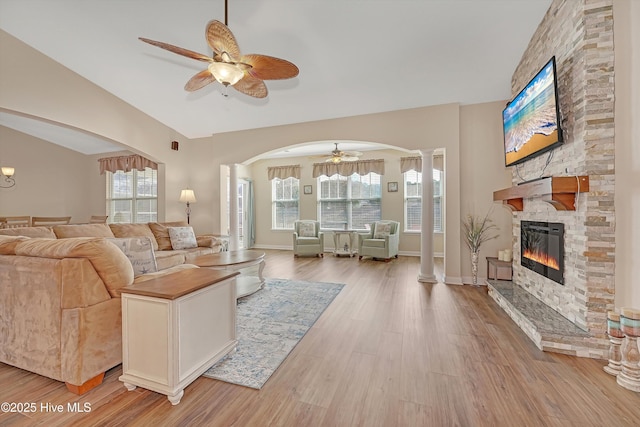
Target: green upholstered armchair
307	238
381	241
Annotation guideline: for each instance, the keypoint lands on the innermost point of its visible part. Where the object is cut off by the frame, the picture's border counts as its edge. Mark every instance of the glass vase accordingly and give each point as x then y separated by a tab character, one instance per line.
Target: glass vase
474	267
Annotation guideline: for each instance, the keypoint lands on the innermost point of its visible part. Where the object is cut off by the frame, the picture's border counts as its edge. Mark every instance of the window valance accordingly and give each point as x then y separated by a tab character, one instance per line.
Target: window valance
361	167
125	164
415	163
284	172
410	163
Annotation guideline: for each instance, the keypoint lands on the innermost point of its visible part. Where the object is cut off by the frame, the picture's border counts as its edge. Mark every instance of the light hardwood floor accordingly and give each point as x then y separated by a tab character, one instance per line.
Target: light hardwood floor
389	351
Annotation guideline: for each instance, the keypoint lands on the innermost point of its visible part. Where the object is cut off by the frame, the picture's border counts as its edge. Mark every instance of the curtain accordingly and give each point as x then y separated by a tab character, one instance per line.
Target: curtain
250	227
125	164
284	172
361	167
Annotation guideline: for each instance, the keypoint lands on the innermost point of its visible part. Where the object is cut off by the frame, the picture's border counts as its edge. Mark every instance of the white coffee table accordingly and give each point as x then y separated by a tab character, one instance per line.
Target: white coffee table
240	261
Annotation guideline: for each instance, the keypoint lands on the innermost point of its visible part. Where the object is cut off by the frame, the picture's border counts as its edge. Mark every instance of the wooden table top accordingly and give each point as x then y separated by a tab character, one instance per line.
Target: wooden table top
180	283
222	259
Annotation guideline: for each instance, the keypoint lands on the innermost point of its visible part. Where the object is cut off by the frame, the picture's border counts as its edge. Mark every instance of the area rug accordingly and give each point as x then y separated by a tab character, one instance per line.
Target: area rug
270	323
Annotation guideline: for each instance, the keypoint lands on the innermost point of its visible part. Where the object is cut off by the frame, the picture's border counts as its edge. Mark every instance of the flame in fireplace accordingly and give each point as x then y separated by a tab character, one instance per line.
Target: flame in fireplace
542	258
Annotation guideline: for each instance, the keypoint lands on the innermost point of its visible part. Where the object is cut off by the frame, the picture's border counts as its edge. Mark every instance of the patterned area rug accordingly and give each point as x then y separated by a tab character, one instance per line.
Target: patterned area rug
270	323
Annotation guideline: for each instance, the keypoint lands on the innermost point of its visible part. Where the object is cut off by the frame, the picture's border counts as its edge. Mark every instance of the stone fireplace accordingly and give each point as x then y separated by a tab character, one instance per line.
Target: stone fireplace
580	35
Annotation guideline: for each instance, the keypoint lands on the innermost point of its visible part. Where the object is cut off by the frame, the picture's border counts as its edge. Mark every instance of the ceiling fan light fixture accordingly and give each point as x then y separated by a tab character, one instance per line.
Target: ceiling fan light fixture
226	73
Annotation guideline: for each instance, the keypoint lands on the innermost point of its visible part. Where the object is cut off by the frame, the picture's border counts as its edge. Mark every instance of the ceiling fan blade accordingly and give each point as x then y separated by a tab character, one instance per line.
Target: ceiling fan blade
251	86
221	39
179	50
352	153
270	68
199	81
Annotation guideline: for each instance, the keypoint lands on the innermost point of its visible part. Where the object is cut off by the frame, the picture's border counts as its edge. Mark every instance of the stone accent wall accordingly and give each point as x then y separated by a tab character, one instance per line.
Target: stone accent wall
580	35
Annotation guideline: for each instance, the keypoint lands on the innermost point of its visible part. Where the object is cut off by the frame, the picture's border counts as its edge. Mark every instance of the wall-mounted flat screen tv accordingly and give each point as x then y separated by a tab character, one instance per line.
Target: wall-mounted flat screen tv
531	121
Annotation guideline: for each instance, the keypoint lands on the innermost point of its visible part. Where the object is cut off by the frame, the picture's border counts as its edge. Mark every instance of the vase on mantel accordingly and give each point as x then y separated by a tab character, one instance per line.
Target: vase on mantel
474	267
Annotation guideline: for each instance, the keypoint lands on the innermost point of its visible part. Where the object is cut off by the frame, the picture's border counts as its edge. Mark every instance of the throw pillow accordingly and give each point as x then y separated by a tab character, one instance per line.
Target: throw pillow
307	229
381	230
182	238
161	233
139	251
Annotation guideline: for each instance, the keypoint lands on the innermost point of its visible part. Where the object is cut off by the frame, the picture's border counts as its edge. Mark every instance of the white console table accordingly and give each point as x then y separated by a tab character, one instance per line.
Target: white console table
350	247
175	327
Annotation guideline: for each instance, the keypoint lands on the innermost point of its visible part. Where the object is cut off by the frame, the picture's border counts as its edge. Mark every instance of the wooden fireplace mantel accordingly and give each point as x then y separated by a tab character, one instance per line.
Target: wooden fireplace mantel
559	191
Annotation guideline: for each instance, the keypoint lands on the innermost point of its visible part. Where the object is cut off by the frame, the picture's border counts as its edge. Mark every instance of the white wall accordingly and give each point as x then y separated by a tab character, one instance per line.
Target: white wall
481	145
50	180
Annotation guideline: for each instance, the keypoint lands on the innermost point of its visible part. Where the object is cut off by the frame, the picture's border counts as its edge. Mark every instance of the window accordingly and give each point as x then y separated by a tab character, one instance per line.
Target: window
349	202
413	200
132	196
285	194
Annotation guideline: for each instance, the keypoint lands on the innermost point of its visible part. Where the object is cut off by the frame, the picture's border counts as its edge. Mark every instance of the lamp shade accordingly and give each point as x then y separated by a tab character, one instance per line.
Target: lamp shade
187	196
8	171
225	73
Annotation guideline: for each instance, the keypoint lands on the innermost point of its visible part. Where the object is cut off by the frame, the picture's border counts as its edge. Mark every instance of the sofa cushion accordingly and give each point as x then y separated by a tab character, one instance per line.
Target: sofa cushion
168	259
139	250
161	233
161	273
82	230
110	263
308	241
133	230
182	238
374	243
8	244
38	232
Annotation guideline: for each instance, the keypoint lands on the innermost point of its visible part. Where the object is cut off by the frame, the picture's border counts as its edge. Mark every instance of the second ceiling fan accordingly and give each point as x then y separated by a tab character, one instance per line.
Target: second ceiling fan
245	73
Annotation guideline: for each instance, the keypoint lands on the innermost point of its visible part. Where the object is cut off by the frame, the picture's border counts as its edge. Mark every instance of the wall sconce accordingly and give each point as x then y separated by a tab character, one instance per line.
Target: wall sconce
7	173
188	196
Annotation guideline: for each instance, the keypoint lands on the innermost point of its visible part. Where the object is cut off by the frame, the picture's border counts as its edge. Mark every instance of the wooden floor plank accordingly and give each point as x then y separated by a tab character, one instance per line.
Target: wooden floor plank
389	351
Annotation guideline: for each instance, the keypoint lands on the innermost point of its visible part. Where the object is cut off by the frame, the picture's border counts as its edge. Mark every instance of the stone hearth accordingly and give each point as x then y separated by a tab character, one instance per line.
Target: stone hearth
549	330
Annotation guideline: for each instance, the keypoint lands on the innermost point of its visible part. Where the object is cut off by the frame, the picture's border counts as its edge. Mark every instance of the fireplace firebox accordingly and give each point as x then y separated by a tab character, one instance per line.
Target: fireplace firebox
542	248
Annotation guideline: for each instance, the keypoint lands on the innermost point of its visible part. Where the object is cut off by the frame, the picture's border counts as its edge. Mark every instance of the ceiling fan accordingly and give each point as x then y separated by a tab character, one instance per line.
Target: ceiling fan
245	73
337	155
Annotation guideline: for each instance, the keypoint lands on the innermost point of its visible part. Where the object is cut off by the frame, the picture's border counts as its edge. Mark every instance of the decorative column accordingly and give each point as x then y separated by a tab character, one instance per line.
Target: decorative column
426	236
234	233
629	376
615	339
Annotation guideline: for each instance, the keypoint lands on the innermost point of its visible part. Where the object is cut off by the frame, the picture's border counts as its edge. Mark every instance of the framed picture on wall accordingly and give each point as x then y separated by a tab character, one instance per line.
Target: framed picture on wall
392	187
307	189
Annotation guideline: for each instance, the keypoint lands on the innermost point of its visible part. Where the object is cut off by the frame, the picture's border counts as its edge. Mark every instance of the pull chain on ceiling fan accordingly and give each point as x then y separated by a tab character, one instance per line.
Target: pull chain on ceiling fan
245	73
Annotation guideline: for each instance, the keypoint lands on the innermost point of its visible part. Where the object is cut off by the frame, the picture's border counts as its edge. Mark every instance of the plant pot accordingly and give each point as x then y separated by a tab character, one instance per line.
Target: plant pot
474	267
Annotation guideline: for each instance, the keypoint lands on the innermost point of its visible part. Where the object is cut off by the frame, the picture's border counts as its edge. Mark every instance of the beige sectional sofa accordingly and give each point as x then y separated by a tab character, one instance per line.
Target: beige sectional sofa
60	313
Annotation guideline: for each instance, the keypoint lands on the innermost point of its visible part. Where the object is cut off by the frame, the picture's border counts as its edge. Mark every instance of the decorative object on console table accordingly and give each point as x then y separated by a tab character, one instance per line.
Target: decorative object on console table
615	338
188	196
629	376
477	230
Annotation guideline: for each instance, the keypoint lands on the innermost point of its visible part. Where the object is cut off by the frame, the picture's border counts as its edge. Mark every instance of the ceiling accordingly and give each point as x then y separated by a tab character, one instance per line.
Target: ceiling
355	56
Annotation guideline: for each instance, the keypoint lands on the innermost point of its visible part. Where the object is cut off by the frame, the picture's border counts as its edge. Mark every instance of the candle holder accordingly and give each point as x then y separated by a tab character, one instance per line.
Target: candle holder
629	376
615	341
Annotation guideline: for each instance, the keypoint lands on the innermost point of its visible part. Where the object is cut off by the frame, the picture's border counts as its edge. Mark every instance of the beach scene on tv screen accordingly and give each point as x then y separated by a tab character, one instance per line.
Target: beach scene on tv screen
530	121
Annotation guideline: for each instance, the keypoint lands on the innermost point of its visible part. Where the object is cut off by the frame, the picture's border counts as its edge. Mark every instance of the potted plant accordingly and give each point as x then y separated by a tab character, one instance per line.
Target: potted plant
477	230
